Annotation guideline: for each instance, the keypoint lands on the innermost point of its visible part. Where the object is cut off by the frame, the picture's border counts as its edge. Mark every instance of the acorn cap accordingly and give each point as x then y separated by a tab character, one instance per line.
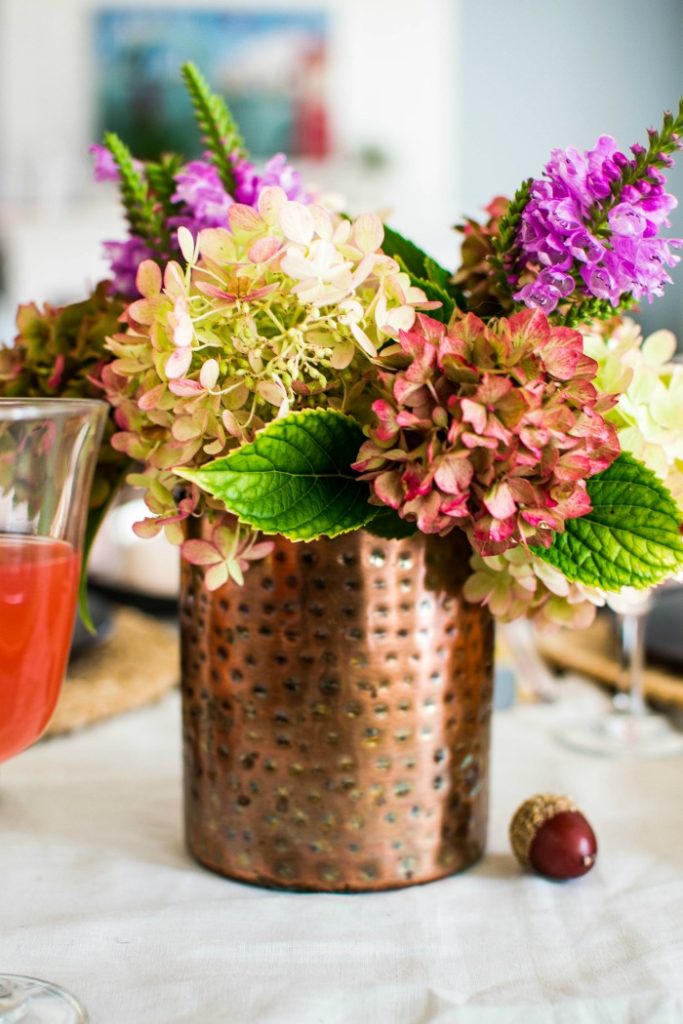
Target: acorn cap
530	817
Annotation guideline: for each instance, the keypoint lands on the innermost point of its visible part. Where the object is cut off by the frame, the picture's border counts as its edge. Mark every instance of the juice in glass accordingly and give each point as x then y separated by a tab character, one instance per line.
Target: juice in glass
38	585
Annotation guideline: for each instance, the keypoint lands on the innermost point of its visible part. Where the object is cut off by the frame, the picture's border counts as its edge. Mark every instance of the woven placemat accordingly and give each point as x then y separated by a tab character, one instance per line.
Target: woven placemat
592	652
135	665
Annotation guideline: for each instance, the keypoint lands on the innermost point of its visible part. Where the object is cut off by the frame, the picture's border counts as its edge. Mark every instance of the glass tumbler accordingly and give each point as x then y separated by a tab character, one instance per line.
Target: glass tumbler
48	451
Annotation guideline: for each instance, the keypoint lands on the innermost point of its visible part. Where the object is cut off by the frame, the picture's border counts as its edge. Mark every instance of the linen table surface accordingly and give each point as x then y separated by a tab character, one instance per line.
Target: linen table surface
98	894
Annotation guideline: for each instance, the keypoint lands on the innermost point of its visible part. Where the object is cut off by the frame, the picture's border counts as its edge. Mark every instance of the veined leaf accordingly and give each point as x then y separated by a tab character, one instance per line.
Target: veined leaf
295	478
630	538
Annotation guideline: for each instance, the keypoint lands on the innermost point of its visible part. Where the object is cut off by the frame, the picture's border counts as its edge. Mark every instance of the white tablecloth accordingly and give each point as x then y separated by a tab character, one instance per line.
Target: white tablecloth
98	894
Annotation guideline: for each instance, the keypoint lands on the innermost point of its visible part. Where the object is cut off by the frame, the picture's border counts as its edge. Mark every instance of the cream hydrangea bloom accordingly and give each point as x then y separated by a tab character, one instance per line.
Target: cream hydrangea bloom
649	414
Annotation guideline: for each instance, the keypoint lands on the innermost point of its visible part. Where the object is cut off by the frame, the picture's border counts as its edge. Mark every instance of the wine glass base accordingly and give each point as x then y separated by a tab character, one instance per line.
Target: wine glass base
624	735
31	1001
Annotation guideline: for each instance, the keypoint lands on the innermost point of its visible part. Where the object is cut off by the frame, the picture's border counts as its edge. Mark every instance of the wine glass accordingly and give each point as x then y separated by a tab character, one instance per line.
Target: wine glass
629	729
48	450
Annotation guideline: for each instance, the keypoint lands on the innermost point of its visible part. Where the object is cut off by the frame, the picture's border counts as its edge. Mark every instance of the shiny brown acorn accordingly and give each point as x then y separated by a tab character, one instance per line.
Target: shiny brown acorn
550	835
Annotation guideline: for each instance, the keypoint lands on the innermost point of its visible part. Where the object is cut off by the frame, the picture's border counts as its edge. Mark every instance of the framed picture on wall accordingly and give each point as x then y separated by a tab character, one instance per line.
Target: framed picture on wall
270	65
352	91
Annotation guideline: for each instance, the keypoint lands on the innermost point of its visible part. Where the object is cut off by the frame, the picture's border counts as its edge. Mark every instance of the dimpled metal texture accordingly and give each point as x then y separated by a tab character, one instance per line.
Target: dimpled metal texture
336	714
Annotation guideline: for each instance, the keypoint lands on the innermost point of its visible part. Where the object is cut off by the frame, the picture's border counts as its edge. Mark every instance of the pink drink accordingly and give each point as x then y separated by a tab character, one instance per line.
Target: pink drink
38	585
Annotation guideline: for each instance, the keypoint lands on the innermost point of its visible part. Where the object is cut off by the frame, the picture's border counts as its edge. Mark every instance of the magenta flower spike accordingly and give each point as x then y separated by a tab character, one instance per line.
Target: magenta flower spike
592	228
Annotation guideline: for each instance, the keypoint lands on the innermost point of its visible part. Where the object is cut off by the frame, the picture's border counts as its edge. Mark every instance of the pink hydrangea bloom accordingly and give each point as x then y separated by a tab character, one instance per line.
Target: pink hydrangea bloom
493	429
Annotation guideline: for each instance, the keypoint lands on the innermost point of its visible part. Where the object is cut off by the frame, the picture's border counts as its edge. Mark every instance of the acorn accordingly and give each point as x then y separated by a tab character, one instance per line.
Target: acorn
550	835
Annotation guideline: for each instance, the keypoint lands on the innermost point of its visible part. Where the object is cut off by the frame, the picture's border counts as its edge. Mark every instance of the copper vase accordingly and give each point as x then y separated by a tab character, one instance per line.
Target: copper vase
336	716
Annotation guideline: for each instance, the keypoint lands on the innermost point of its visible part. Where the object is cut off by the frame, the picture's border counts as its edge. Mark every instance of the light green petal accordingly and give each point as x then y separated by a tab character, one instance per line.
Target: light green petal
659	347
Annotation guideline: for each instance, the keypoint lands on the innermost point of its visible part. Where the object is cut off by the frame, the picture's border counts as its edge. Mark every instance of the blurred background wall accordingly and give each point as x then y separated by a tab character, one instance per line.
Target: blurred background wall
427	109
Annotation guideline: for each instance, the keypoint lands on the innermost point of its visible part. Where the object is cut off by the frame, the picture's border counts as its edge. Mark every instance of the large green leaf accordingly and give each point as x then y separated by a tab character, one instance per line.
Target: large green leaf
295	478
631	537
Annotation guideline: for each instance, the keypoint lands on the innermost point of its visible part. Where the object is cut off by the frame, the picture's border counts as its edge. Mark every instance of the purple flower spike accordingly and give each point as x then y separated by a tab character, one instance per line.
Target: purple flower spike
277	171
201	190
588	221
125	258
202	201
105	168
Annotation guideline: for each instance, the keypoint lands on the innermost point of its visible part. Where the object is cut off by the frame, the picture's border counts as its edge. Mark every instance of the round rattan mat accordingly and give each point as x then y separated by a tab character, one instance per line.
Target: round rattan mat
135	665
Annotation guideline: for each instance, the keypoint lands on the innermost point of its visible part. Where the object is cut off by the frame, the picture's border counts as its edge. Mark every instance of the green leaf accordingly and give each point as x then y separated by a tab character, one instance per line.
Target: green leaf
219	128
436	273
631	538
411	256
295	478
388	525
161	177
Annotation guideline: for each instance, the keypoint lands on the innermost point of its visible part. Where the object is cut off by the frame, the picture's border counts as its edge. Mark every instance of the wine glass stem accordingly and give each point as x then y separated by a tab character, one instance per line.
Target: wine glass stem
633	660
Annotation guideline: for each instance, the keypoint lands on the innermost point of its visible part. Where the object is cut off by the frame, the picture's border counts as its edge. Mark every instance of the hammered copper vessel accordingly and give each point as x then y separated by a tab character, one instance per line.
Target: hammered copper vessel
336	716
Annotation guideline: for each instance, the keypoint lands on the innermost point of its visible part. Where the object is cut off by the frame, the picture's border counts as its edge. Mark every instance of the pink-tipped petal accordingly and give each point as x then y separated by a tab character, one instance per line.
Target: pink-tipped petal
148	279
146	529
200	552
178	363
244	219
500	502
454	473
185	388
389	488
264	249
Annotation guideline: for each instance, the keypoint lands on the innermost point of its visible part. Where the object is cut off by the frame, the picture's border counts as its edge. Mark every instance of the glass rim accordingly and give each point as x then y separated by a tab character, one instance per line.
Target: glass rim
36	408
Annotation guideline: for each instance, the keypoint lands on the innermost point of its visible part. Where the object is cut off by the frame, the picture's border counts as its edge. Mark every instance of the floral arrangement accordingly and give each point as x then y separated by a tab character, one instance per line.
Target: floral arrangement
281	368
